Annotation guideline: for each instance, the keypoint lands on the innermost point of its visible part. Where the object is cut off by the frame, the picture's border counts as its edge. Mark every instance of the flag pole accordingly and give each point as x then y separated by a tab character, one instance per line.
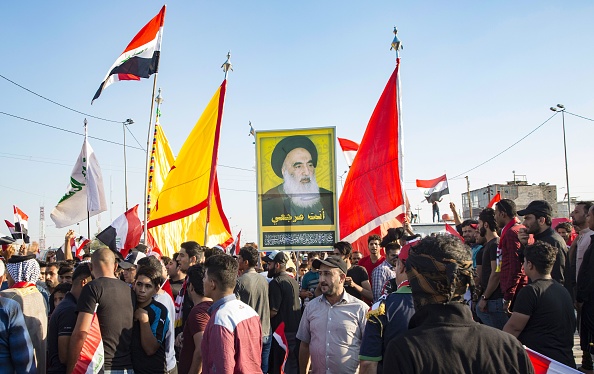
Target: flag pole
396	45
86	182
226	67
148	159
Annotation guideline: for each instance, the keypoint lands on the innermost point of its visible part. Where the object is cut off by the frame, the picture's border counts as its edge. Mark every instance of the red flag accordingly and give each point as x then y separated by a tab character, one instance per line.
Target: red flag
373	191
494	200
237	243
544	365
349	149
92	355
281	339
167	288
452	231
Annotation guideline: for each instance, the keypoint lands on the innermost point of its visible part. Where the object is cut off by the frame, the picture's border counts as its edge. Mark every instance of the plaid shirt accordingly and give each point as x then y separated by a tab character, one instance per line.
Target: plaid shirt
16	349
512	276
380	275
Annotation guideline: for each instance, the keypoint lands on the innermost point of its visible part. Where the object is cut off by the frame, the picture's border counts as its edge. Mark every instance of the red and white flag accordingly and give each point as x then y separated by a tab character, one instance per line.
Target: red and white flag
349	149
373	192
434	189
92	355
237	243
494	200
140	59
77	246
11	228
544	365
21	224
452	231
281	339
124	233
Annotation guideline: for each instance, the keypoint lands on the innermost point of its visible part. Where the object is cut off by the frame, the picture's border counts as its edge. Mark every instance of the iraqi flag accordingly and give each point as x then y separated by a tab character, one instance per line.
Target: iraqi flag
12	229
281	340
124	233
140	59
433	189
21	224
92	355
349	149
544	365
494	200
78	245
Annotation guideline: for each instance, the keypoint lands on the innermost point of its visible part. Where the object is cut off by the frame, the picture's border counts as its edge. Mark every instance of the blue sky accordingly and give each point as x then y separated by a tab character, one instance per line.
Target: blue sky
476	77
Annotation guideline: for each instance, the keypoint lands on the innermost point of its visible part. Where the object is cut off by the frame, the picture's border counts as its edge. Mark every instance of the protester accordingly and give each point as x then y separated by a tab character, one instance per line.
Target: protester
490	306
309	282
57	296
190	359
356	257
442	337
130	266
253	290
543	318
285	308
565	229
16	348
375	258
356	282
114	301
585	295
511	277
332	325
65	273
385	271
23	271
63	320
387	319
232	340
538	217
51	276
151	322
176	275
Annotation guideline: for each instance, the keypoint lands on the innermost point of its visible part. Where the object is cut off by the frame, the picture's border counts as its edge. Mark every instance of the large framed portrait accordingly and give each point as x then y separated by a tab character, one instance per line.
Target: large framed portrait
297	202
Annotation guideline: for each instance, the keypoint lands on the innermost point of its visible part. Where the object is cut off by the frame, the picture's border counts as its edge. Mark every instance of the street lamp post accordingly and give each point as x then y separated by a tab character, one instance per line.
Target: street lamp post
561	108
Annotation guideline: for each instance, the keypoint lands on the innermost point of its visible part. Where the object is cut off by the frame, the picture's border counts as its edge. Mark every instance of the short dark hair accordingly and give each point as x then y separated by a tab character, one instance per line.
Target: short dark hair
65	269
53	265
192	248
42	264
151	273
373	237
563	225
392	246
587	205
166	260
487	215
303	266
345	248
195	277
548	218
82	271
469	222
223	270
542	255
63	288
508	207
153	263
250	254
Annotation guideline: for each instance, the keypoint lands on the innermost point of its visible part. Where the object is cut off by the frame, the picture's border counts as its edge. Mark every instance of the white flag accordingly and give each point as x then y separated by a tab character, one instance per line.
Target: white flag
85	191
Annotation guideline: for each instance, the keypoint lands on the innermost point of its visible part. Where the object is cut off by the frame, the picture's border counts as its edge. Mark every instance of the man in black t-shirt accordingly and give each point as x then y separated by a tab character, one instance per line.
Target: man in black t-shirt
543	318
357	280
283	295
63	321
490	306
114	302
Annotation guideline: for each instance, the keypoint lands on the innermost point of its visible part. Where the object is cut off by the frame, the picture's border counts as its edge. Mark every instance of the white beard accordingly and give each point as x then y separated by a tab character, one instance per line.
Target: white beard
303	195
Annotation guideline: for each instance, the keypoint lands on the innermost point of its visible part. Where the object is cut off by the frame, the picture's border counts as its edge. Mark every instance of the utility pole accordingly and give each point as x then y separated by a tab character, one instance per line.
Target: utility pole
41	228
469	201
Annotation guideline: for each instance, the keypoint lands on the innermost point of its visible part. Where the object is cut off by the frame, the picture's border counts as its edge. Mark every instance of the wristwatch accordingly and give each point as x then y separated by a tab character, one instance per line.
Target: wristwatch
483	297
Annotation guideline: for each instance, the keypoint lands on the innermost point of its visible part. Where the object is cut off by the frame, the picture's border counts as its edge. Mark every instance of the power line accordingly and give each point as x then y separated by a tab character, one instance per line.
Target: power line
506	149
61	105
65	130
582	117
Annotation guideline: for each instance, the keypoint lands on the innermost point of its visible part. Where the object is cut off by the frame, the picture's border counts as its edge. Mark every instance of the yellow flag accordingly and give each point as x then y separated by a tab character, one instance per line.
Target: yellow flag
178	205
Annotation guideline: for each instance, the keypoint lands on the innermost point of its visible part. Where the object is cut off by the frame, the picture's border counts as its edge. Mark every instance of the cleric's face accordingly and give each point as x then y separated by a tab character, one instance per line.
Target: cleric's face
299	165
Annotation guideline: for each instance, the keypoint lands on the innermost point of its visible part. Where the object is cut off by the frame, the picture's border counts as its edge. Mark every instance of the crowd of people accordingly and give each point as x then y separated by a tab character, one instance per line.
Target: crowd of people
413	305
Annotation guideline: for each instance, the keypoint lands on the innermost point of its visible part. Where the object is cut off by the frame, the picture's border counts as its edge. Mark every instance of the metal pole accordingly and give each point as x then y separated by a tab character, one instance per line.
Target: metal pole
125	167
469	201
148	159
566	169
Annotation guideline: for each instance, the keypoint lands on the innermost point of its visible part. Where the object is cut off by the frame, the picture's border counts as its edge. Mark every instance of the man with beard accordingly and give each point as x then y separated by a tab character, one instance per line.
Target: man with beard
469	233
332	326
283	295
298	200
490	306
538	221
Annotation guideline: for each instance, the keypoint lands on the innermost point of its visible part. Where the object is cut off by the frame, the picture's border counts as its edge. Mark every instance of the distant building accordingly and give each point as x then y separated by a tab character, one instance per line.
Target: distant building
519	191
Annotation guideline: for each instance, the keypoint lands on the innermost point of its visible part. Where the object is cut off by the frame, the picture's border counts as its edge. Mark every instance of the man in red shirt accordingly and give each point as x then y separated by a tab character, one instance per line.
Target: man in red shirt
375	257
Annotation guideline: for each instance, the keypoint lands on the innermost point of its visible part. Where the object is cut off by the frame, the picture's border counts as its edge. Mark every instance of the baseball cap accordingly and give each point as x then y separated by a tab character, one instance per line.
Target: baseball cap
540	207
277	256
331	261
132	259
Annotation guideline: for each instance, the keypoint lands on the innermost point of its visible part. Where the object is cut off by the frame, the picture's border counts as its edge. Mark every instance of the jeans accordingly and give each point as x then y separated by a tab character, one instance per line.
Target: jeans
266	344
495	316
